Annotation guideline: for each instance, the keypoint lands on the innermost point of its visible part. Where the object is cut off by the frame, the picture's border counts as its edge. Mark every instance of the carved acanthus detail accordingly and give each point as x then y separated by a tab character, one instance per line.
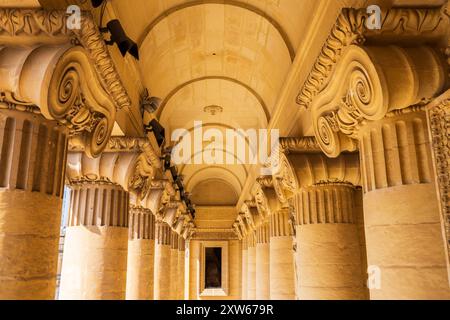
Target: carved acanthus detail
284	181
439	122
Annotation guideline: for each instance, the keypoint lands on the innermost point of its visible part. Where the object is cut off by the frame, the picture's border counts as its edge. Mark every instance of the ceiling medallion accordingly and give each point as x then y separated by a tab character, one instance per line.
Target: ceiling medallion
213	110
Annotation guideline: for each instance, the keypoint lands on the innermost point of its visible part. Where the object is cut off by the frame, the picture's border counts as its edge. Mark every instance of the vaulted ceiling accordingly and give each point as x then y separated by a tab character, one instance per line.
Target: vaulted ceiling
233	55
226	53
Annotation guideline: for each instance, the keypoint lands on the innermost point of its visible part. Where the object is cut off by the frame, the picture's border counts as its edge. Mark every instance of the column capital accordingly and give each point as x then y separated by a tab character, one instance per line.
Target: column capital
398	25
366	88
129	162
62	85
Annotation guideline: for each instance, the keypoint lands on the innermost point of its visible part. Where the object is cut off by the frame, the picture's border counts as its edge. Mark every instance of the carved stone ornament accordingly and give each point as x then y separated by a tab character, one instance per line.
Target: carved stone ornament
128	162
261	201
284	181
350	29
366	87
68	74
439	122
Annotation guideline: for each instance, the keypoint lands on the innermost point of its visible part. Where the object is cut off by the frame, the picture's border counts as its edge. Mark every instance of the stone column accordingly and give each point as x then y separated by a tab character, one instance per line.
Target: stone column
173	266
162	261
329	257
141	251
181	268
251	266
405	244
244	268
32	164
262	262
96	244
282	273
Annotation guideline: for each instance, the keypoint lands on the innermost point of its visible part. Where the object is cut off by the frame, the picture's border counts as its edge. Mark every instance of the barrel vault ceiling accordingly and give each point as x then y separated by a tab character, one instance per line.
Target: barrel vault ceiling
233	54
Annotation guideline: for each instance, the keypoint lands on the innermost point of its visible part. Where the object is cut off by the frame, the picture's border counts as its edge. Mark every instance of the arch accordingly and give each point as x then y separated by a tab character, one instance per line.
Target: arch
246	6
192	81
238	161
214	168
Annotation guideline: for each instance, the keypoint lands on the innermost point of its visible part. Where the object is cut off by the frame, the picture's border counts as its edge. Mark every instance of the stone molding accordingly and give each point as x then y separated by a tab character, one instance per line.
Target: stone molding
174	241
325	204
142	224
32	154
395	151
280	224
263	233
295	145
163	233
98	205
350	29
439	122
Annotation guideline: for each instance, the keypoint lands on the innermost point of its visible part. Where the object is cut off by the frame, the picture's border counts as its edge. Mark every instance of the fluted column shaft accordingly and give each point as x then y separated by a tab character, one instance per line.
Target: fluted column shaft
328	250
251	266
96	245
141	251
162	261
244	268
32	165
282	271
263	262
174	278
181	268
405	243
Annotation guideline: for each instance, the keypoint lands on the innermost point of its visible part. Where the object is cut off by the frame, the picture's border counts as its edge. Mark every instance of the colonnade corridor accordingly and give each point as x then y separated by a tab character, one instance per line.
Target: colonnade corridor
224	150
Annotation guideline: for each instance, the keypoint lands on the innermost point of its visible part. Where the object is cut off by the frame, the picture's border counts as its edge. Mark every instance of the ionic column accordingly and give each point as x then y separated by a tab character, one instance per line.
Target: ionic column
162	261
244	268
262	262
141	250
181	268
32	164
251	266
329	257
405	243
282	273
96	245
174	278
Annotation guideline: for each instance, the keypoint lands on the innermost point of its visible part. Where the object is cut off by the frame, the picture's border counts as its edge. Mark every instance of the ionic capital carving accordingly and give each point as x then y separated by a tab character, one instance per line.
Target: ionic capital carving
37	26
63	84
367	84
398	24
128	162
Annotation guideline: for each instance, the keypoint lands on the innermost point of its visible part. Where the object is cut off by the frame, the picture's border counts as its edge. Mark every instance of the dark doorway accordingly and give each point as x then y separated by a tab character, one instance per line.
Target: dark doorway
213	268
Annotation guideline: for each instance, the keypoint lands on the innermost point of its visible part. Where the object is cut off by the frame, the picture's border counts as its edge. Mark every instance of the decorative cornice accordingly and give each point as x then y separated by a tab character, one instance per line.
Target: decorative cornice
265	181
304	144
350	29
